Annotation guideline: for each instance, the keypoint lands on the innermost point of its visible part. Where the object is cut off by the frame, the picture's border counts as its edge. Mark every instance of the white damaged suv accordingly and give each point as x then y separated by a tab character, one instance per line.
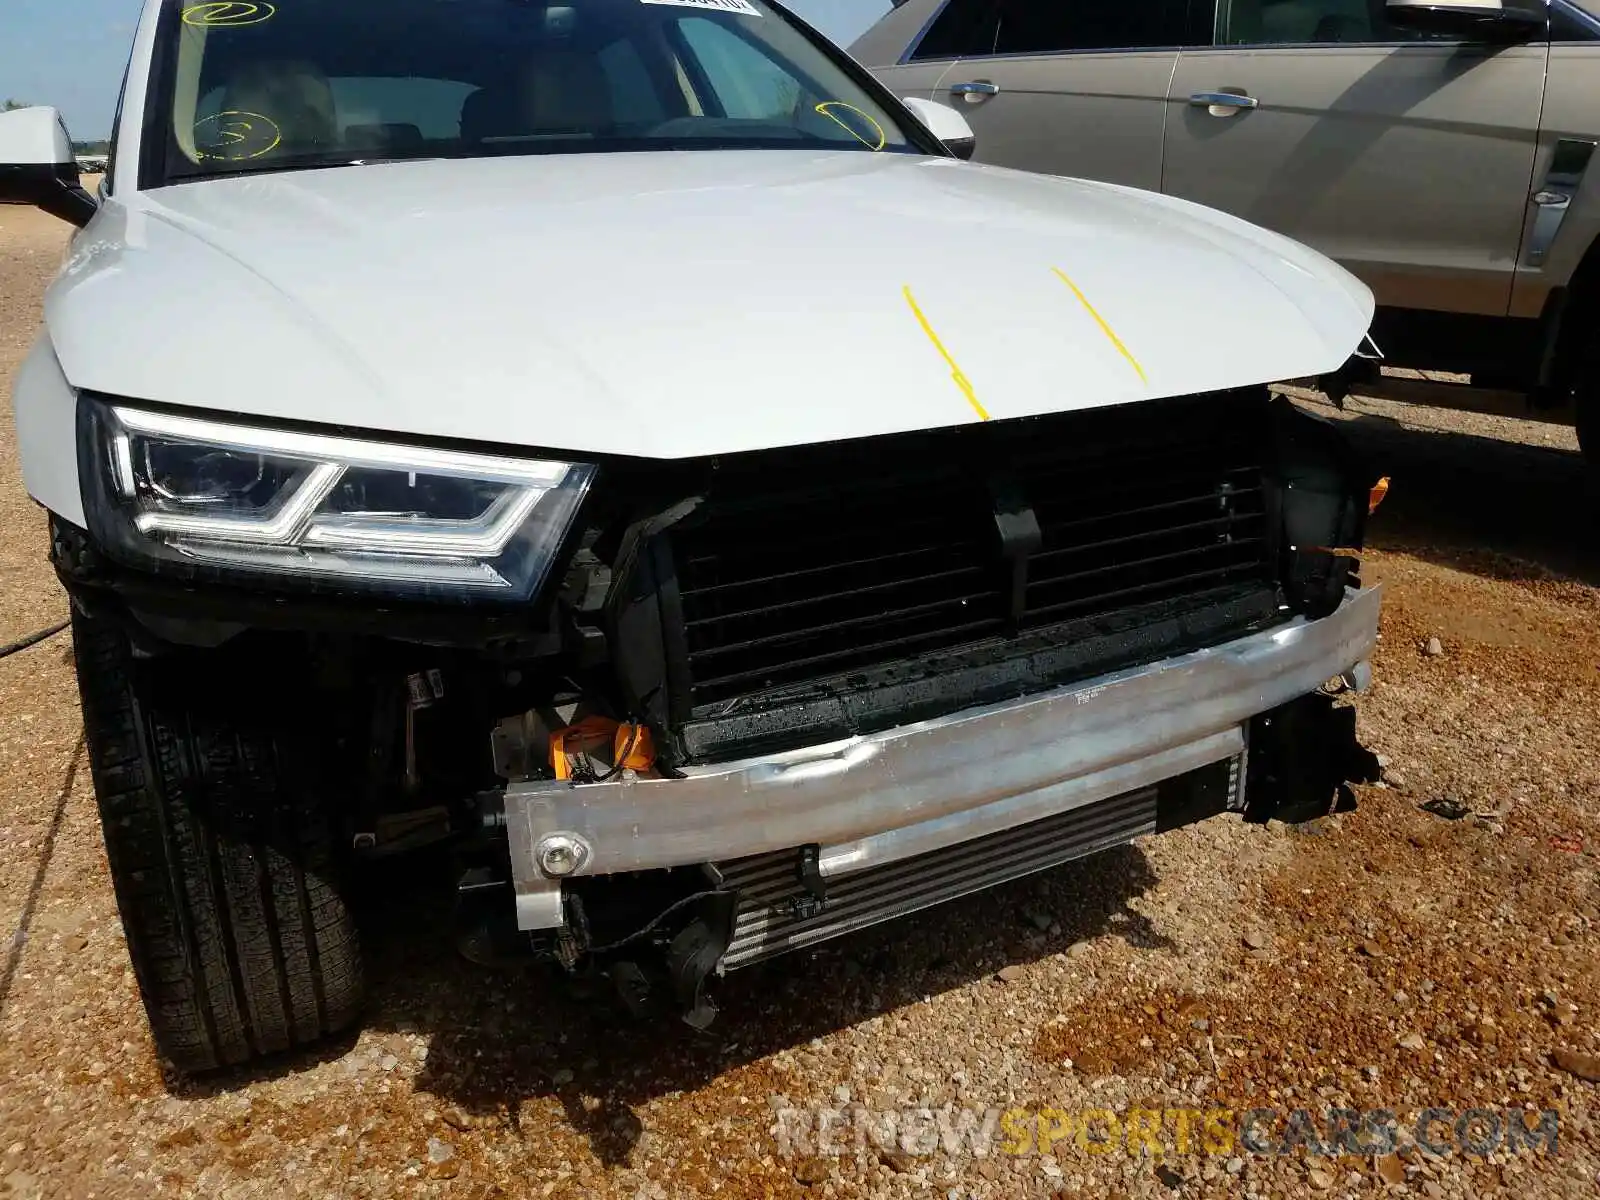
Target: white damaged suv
620	440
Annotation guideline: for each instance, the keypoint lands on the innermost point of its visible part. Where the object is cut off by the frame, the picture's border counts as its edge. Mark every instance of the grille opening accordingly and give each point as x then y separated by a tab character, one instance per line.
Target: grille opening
808	564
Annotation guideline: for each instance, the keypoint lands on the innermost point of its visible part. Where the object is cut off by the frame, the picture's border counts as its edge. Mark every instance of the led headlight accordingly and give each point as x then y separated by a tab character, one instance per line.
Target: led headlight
181	491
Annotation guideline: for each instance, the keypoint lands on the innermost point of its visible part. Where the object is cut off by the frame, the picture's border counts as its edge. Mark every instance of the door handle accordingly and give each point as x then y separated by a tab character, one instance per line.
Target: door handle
1234	102
1569	165
975	91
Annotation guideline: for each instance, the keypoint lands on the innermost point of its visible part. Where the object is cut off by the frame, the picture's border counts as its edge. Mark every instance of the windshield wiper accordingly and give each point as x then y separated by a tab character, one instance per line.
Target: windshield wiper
233	170
306	162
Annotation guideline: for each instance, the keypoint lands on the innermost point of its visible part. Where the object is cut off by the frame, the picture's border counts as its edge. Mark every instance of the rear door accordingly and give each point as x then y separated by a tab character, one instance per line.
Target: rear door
1408	159
1066	87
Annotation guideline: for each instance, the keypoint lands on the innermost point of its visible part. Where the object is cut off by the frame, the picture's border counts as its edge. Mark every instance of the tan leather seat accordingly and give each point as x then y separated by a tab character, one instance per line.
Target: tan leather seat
558	91
566	91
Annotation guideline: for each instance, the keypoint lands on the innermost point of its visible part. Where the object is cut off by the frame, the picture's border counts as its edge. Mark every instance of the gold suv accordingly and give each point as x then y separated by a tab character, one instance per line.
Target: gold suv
1443	150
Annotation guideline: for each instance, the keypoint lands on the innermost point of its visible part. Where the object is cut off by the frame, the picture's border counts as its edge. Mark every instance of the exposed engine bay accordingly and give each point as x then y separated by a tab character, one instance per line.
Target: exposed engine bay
746	608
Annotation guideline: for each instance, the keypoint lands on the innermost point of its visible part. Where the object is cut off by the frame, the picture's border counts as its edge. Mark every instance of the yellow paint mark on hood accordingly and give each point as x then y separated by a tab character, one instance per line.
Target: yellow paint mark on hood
956	373
1105	326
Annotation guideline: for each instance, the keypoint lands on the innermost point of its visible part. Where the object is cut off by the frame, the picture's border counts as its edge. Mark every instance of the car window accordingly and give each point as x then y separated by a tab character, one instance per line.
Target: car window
634	99
747	84
242	88
1307	22
976	28
1571	24
431	107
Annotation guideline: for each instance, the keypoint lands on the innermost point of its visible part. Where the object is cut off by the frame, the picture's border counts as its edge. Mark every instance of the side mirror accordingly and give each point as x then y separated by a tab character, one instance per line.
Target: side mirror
946	124
37	165
1478	20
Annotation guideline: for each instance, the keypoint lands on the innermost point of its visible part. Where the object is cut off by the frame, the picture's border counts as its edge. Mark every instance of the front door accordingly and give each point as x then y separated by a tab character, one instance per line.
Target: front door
1406	158
887	48
1074	88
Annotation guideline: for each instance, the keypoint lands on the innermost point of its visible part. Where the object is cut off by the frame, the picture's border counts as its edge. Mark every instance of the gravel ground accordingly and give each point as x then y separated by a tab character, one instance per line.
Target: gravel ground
1389	958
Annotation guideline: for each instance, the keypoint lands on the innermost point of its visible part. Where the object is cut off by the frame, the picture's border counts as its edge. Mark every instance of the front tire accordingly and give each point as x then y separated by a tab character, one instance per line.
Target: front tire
1578	359
1586	403
220	855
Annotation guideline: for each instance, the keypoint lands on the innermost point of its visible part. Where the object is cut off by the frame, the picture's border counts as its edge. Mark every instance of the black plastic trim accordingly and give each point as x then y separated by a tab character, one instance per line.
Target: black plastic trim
1303	758
155	131
213	611
54	187
868	701
1580	20
1319	487
641	620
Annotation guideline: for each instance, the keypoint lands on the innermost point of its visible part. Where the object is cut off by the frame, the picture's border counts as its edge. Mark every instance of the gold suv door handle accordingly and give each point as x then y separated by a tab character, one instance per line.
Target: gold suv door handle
975	92
1569	165
1224	104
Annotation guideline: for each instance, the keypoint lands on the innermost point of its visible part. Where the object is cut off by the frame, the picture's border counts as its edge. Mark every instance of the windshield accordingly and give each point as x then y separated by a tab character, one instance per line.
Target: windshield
246	87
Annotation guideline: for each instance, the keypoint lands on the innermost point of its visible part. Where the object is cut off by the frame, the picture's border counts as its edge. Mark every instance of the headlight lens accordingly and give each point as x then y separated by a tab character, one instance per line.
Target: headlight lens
191	492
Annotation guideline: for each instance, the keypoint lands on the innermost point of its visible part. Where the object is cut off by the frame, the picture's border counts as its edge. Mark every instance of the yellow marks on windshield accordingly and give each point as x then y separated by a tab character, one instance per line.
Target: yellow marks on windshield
961	381
859	125
221	15
1105	326
234	136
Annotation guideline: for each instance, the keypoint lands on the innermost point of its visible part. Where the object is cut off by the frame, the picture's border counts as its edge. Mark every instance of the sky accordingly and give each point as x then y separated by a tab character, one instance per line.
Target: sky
71	53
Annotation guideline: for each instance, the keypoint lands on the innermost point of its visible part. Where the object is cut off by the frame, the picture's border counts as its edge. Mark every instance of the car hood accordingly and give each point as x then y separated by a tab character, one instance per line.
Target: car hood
670	305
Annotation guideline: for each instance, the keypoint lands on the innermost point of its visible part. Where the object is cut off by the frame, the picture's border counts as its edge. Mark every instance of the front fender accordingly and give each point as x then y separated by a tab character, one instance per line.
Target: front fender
46	409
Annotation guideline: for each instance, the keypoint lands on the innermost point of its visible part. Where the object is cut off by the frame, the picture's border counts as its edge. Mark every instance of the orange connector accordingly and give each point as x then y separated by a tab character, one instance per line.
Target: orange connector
1379	493
631	746
634	748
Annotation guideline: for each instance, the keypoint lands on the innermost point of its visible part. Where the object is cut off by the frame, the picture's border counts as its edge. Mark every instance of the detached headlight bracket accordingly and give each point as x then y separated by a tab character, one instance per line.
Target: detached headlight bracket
1319	488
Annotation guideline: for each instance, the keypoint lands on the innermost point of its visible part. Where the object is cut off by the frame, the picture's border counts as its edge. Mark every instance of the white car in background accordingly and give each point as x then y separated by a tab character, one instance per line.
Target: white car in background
621	438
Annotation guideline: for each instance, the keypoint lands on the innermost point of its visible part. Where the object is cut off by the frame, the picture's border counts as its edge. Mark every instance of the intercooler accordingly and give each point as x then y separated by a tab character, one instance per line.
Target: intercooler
777	914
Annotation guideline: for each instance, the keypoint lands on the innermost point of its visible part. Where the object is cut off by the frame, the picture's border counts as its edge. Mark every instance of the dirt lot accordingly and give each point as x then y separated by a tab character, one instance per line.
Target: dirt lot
1389	958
